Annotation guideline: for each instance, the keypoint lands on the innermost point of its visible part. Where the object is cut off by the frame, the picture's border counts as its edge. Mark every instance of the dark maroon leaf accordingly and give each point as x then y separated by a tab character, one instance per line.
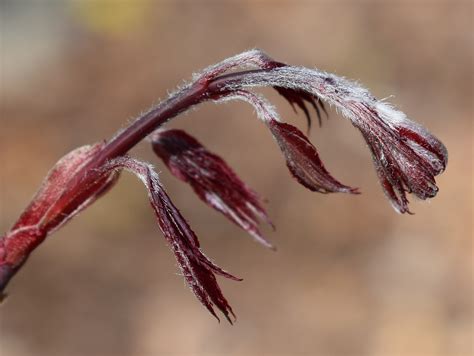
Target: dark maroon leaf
52	206
55	184
211	179
407	158
300	97
303	160
197	269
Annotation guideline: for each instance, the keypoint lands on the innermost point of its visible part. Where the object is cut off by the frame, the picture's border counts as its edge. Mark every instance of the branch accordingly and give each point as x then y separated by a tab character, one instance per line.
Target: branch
406	157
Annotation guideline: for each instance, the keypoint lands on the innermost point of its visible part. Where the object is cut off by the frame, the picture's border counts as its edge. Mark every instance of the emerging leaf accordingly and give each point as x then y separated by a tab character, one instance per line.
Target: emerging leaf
299	98
303	160
301	156
197	269
406	157
52	206
211	179
256	58
55	186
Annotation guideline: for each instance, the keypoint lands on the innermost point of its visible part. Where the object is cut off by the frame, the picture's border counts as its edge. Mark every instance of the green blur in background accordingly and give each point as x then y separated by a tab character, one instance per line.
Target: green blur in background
350	277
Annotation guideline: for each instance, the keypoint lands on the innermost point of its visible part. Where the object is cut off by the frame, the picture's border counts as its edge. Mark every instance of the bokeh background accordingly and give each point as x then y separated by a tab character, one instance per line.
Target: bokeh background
350	277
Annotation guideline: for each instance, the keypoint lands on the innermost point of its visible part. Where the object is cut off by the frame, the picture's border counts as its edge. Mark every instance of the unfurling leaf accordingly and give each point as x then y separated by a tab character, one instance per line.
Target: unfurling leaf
52	206
406	157
299	98
54	189
303	160
301	156
197	269
211	179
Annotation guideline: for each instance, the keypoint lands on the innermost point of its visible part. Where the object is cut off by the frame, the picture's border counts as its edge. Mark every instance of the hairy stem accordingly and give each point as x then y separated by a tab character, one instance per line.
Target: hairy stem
197	92
406	156
179	102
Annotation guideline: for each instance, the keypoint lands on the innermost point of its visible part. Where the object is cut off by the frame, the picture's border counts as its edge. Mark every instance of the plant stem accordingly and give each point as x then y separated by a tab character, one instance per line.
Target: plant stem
124	140
74	194
189	96
193	94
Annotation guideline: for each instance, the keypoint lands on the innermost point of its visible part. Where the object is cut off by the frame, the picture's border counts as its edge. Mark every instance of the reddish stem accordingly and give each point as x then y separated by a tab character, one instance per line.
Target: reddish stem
74	194
201	90
194	94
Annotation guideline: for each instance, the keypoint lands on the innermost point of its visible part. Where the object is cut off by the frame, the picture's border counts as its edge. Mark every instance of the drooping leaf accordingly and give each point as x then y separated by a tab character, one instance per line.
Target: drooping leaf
303	160
211	179
198	271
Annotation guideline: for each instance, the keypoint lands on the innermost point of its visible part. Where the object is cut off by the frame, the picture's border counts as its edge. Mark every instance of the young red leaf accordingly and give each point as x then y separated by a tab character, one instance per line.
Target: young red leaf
299	98
211	179
54	186
52	206
258	59
303	160
197	269
301	156
406	157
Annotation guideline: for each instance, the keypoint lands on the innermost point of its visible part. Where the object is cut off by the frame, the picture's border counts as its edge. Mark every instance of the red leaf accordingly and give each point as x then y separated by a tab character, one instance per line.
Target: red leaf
303	160
300	97
197	269
54	185
211	179
406	157
52	206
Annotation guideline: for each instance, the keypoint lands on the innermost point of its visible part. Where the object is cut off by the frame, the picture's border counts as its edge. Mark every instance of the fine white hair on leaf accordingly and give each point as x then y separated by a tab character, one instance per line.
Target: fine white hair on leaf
333	89
254	58
198	269
406	156
336	91
264	109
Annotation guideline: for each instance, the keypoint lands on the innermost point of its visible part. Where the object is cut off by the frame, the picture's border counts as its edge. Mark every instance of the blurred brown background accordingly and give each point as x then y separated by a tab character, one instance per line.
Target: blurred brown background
351	277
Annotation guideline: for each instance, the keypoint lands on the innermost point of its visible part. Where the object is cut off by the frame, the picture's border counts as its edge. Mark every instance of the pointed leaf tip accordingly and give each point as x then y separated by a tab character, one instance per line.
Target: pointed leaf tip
300	98
212	180
57	201
303	160
198	270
